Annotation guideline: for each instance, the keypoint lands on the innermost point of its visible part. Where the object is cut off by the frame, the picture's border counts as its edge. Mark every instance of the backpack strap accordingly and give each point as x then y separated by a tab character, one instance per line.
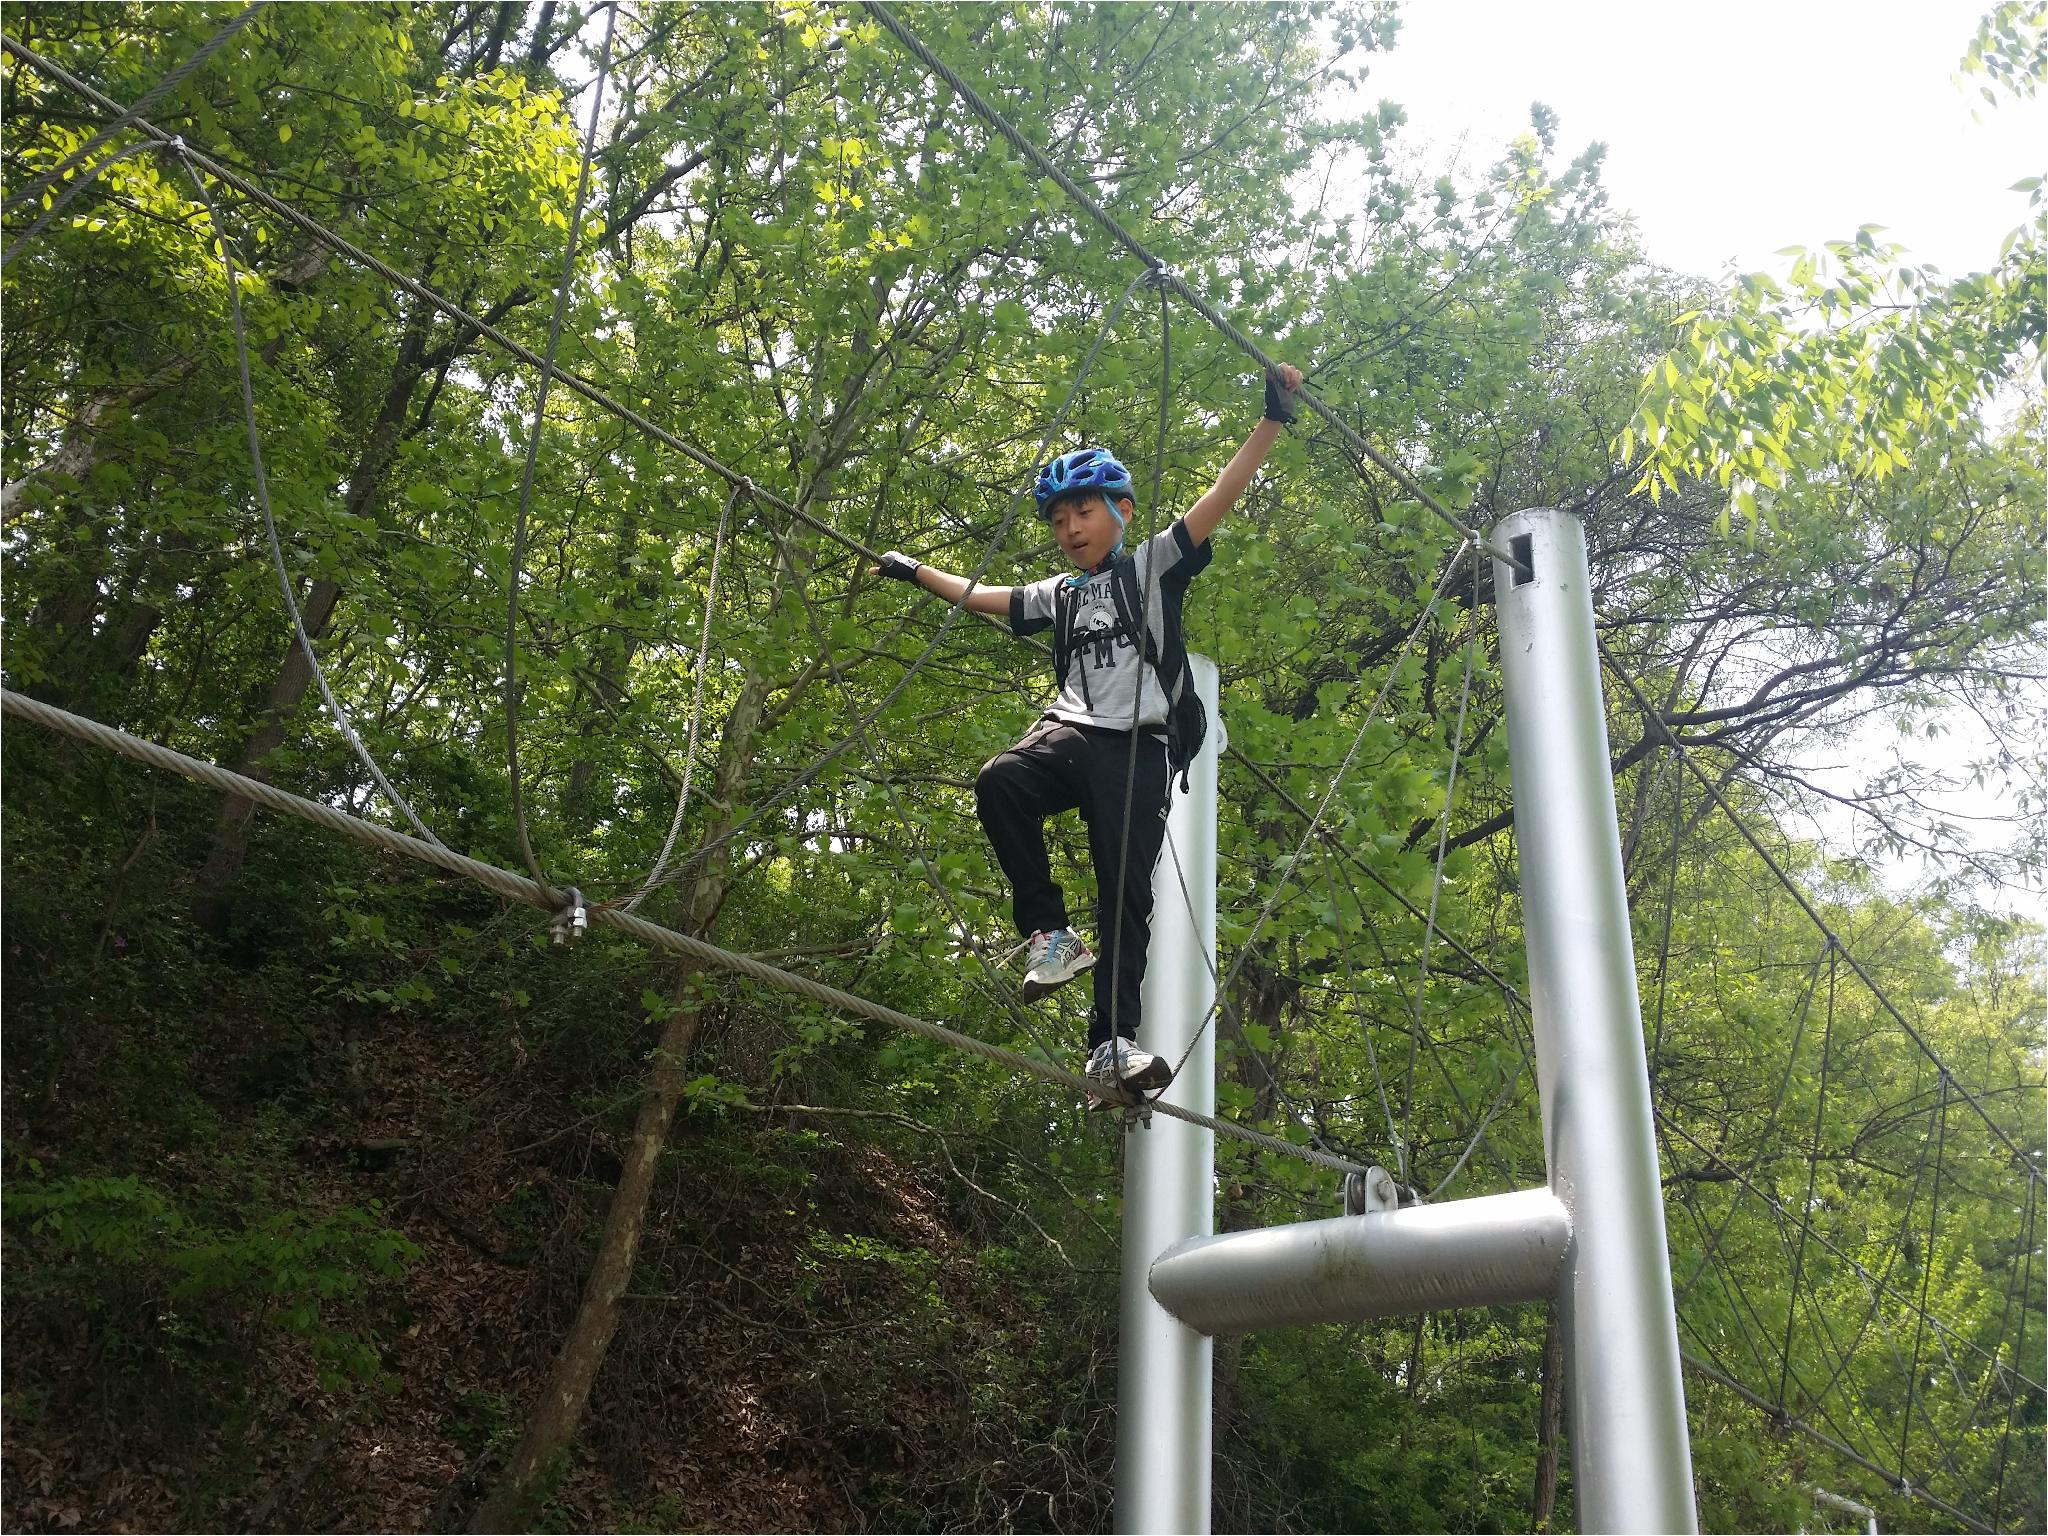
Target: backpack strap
1123	589
1186	721
1063	607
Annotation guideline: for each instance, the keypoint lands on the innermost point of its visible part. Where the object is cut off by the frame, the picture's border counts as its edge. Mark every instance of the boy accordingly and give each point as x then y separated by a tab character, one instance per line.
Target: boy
1122	668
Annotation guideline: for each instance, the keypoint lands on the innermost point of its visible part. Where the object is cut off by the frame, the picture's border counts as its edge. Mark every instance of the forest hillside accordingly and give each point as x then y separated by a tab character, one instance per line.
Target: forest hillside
575	364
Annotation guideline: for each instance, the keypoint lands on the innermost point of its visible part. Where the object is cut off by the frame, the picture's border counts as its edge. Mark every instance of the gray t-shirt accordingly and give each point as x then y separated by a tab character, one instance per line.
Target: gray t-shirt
1108	675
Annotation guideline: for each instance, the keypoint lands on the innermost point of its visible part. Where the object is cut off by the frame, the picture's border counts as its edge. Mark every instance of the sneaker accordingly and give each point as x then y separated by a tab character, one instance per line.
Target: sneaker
1053	960
1109	1063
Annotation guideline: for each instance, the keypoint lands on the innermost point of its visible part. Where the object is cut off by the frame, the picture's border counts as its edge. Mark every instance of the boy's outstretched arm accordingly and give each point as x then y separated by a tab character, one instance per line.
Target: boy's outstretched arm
900	567
1205	514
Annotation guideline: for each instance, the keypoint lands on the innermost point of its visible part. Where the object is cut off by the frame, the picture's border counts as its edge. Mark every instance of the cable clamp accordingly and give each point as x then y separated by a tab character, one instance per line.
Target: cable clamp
176	143
572	922
1159	275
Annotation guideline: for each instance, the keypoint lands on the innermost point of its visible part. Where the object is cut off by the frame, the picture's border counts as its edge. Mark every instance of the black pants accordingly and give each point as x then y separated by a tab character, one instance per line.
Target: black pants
1059	768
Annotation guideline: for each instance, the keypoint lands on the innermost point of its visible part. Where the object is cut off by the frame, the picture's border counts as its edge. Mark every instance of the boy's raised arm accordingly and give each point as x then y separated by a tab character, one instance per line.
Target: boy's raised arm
1205	514
900	567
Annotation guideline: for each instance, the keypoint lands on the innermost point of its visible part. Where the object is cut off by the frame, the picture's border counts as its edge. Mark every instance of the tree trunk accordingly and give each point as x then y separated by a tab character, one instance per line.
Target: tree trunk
1550	1431
559	1409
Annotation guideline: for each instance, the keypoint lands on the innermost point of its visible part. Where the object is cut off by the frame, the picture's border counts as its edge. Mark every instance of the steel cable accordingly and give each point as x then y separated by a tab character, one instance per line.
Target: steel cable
1245	950
516	887
1129	242
428	296
1653	721
129	118
1778	1415
954	610
1004	997
284	580
1436	880
540	409
675	825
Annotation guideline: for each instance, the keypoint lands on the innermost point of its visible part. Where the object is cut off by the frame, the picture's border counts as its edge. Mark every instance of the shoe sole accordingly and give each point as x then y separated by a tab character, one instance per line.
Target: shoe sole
1032	991
1154	1077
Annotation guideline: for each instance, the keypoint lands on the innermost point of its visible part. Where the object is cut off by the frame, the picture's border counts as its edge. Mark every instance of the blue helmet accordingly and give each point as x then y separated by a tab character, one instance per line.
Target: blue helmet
1085	469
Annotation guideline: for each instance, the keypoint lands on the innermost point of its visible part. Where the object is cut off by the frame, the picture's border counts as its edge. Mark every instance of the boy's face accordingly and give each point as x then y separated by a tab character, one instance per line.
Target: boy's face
1085	527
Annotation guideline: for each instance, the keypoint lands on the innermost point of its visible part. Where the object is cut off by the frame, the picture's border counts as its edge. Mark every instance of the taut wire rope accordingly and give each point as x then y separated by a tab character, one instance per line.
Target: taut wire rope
954	610
1876	1283
1770	1123
262	480
1926	1266
2028	1227
1670	916
533	436
426	295
149	98
1436	879
518	888
1328	839
1251	939
1372	1056
1138	647
675	825
92	174
1653	721
1820	1104
1004	995
1778	1415
1129	242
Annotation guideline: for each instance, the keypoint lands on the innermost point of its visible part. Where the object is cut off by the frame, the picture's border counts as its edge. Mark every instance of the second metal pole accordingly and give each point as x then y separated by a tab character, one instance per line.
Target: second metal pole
1163	1414
1631	1459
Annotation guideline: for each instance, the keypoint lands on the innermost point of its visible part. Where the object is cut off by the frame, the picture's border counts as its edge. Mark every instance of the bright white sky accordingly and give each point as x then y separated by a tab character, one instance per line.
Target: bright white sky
1739	127
1733	130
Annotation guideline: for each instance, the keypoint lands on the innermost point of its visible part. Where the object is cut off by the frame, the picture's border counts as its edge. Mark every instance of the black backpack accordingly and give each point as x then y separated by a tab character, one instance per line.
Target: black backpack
1187	722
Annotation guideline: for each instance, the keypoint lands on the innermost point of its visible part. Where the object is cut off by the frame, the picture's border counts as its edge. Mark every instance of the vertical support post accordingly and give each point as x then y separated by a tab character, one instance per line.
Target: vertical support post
1163	1373
1631	1459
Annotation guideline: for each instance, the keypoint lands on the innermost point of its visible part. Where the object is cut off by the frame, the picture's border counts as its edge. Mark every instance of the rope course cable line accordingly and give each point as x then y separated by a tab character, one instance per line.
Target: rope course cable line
1713	1243
675	825
156	93
262	481
540	416
1862	1272
1653	721
2028	1230
1246	949
518	888
1005	996
1223	324
426	295
954	610
1155	273
1778	1415
1740	1300
1436	881
1820	1104
1141	641
1794	1241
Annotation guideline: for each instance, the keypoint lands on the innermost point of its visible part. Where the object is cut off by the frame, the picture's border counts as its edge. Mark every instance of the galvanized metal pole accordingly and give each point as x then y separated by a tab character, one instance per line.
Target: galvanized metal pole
1488	1251
1163	1366
1631	1461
